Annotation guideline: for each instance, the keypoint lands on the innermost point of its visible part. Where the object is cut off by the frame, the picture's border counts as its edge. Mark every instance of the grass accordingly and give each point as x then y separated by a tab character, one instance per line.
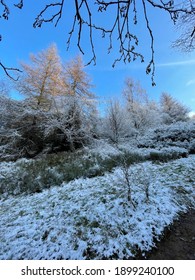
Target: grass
92	218
31	176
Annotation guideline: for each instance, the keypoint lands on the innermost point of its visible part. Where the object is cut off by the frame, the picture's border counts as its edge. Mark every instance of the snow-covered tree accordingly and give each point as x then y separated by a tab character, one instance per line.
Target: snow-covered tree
4	87
172	110
141	112
116	126
59	110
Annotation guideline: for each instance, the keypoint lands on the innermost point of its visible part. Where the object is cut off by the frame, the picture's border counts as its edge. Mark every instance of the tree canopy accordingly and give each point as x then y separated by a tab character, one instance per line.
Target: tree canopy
126	15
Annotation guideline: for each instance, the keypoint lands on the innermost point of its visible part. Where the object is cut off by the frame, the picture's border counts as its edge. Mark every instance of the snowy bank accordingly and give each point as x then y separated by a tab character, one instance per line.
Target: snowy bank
92	218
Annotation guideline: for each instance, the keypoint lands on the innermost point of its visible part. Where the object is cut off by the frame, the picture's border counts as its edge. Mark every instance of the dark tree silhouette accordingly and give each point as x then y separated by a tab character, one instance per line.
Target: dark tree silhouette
126	15
186	40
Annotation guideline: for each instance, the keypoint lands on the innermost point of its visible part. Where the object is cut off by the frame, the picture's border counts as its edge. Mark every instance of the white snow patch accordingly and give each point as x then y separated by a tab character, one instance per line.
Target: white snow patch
92	218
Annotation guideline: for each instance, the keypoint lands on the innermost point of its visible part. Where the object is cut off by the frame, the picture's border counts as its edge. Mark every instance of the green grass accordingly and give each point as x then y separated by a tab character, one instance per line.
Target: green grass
30	176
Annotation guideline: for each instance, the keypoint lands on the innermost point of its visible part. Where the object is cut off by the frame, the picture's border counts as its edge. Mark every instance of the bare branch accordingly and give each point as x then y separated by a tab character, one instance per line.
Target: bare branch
39	20
126	14
19	5
151	63
6	10
8	69
186	24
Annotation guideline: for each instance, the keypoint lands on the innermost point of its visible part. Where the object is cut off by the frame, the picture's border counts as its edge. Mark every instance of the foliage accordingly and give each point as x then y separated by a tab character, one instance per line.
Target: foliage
31	176
35	175
41	79
172	110
180	134
167	154
58	113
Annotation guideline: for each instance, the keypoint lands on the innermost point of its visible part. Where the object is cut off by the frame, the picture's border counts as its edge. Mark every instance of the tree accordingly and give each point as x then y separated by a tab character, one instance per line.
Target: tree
141	112
4	87
127	13
135	100
172	110
77	80
186	24
116	125
81	110
42	79
60	100
58	112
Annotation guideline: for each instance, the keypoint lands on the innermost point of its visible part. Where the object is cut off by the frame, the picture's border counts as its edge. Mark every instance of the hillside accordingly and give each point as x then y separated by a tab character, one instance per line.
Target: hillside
91	218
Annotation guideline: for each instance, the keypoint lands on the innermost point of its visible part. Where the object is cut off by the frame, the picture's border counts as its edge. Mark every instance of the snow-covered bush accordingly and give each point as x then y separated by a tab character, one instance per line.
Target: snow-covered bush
166	154
192	147
181	134
116	125
26	131
172	110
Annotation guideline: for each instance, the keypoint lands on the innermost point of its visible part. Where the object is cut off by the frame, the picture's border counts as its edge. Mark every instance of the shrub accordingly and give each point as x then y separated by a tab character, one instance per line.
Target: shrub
29	176
166	154
181	134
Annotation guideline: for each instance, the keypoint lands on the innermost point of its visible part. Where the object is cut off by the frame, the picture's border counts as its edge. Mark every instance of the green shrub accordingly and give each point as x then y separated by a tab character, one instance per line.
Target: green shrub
166	154
30	176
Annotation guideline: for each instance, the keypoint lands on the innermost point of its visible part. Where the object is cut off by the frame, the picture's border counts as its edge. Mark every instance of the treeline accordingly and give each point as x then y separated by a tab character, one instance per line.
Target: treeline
59	112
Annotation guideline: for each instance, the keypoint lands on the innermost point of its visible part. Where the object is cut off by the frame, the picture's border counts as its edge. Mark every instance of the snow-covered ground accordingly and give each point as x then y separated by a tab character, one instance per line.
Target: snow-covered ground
93	219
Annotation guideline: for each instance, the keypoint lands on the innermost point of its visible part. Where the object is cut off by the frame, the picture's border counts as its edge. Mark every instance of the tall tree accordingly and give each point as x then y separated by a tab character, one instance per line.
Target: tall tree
116	125
135	98
172	109
141	112
60	102
42	78
82	104
77	80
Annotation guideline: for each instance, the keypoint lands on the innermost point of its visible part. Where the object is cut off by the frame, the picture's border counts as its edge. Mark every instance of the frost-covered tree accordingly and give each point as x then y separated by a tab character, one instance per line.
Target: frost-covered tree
71	127
81	101
10	135
116	126
141	112
59	110
172	110
4	87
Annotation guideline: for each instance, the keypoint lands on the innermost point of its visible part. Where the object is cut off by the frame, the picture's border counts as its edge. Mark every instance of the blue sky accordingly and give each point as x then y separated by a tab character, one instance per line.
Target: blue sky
175	71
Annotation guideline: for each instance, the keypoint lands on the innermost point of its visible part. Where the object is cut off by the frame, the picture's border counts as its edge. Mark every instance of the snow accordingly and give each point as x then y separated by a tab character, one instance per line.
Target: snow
91	218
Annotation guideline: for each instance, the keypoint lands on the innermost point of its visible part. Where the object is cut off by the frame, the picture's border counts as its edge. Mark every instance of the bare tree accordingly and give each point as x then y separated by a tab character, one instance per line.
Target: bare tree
126	12
135	98
116	125
186	25
142	112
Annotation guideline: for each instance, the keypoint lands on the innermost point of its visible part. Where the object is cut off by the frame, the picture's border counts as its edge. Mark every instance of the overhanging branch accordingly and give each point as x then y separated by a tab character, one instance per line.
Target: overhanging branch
125	16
